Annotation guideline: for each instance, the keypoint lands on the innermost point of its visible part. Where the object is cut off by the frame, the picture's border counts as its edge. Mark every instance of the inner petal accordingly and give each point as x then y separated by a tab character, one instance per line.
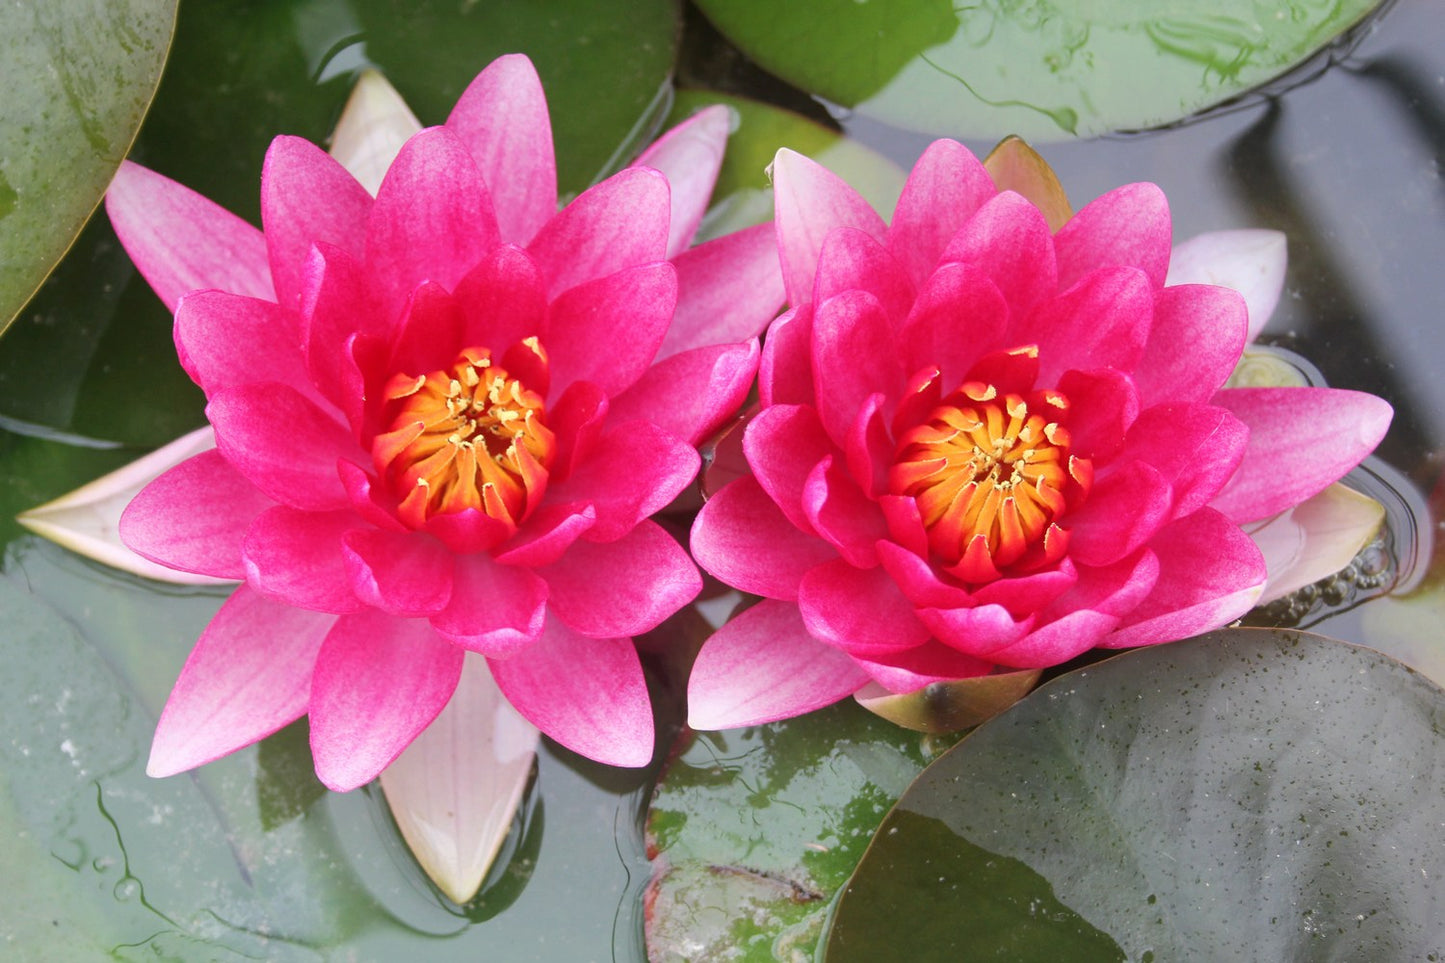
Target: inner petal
470	436
992	474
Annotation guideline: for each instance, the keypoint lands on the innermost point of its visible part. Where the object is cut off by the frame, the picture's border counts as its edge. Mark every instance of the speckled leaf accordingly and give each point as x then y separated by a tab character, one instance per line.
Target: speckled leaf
77	77
753	830
1044	69
1250	794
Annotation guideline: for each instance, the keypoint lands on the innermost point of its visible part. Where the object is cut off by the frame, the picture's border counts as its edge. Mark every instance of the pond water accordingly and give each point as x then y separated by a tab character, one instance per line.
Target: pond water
250	859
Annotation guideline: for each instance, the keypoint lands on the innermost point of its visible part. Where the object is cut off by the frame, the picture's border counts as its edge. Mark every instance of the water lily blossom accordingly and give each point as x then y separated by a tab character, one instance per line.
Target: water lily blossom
991	437
443	416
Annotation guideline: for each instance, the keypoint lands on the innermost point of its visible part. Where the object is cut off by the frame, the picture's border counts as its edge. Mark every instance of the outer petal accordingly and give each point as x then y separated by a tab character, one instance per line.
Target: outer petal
861	611
912	669
741	537
1315	539
855	354
785	371
588	694
494	609
810	202
619	223
1128	226
944	189
296	557
283	444
1196	447
225	339
1251	262
1101	322
842	514
1009	239
853	260
182	242
728	289
693	393
621	588
764	665
783	444
249	675
455	789
306	197
379	681
502	119
690	156
1300	440
1210	574
1125	509
1195	342
194	517
585	337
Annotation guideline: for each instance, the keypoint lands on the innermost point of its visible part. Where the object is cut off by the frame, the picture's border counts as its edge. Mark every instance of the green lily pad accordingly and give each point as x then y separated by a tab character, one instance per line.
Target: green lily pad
77	77
1250	794
241	73
1043	70
753	831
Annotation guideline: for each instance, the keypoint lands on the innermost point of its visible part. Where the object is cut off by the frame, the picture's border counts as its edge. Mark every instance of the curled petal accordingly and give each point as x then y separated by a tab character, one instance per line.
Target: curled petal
693	393
624	587
296	557
494	609
214	333
764	665
637	469
407	575
861	611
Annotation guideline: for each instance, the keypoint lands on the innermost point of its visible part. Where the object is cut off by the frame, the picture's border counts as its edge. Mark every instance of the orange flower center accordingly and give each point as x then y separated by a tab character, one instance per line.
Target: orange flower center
991	474
470	436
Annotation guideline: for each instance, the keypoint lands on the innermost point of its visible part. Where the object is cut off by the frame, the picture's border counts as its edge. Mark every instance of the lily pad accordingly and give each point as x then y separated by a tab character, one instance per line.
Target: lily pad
77	77
1049	69
752	831
1250	794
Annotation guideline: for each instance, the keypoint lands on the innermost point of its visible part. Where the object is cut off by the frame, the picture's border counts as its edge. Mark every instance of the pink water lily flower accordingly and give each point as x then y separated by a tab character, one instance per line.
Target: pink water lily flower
443	416
990	439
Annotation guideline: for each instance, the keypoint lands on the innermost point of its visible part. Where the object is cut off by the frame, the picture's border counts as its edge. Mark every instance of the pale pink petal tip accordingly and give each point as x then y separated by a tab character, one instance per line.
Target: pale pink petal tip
87	520
374	125
1316	538
1250	261
690	156
455	790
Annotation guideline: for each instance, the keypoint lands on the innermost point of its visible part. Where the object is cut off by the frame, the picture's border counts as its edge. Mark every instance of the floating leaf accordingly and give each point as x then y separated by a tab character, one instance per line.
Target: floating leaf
77	77
1249	794
1043	70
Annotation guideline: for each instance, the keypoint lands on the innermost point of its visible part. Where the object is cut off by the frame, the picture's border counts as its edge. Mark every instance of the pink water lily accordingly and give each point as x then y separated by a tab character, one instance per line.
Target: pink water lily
991	438
443	416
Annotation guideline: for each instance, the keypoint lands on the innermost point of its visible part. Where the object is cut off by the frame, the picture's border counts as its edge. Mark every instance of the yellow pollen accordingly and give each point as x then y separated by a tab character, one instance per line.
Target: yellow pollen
990	474
467	437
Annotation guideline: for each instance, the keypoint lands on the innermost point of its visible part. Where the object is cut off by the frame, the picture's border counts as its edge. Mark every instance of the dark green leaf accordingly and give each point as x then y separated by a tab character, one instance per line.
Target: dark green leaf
1042	70
77	78
1250	794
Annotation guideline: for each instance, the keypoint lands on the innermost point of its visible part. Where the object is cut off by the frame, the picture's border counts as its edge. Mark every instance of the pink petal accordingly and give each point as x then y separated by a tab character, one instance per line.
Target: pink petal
1010	241
978	631
1194	344
741	537
810	201
407	575
1300	440
225	339
619	223
494	609
637	470
1102	405
1210	574
336	304
842	514
547	534
762	666
854	260
296	557
582	338
249	675
783	444
1315	539
182	242
502	119
689	156
1251	262
785	371
861	611
911	669
692	394
1196	447
621	588
467	531
868	449
588	694
1129	226
945	188
728	289
432	219
379	681
503	299
1101	322
855	354
194	517
958	317
1125	509
430	332
307	197
283	444
455	789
